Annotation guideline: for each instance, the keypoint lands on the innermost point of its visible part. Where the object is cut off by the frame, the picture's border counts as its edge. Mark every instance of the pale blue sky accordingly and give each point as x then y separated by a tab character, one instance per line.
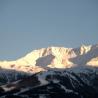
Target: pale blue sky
26	25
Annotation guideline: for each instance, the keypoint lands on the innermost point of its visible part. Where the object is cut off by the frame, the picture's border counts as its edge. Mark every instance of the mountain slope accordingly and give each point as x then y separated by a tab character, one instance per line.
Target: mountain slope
68	83
52	72
55	57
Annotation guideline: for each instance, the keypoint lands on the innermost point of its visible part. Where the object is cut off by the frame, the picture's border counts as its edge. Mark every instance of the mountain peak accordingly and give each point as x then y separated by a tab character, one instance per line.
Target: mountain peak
85	49
56	57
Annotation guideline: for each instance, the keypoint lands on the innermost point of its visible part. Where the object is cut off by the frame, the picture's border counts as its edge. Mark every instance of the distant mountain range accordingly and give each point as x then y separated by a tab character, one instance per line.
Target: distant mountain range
55	57
52	72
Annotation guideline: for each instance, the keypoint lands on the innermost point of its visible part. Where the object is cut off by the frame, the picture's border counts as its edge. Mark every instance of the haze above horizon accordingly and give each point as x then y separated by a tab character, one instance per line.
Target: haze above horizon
26	25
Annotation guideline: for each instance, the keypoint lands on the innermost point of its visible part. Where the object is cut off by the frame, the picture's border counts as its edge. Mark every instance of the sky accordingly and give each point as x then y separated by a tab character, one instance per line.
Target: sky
26	25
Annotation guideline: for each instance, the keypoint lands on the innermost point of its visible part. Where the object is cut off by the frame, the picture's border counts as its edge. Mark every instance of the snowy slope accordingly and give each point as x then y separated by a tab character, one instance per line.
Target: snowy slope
55	57
67	83
52	72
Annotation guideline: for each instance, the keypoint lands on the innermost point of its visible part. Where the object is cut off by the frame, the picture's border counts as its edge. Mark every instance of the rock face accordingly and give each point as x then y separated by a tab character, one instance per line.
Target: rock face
69	83
55	57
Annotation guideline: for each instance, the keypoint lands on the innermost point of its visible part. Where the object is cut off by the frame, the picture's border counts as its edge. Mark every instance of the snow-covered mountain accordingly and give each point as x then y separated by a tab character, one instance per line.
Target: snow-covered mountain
68	83
52	72
55	57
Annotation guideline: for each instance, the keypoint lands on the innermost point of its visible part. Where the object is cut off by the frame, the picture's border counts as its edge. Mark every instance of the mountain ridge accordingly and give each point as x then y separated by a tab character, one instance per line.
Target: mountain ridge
52	72
56	57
